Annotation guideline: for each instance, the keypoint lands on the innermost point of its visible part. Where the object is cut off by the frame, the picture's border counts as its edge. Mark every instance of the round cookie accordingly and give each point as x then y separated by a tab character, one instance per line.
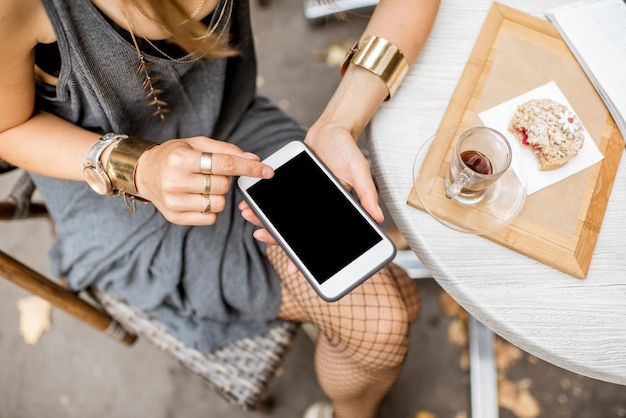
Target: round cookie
551	130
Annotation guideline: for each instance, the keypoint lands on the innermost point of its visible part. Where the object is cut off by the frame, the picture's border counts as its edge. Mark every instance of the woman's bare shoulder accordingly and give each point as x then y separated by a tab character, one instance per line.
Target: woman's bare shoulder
25	20
23	24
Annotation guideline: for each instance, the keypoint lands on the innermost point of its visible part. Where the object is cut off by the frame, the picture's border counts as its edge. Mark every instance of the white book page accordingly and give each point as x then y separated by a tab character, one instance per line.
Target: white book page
595	30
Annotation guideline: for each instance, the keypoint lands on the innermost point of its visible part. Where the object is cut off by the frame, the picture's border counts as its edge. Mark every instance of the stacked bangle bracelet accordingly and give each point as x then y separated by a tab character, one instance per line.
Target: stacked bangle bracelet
122	164
118	178
380	57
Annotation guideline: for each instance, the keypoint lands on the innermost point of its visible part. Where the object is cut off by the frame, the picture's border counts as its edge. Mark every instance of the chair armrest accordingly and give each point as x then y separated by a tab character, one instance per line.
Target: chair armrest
62	298
19	204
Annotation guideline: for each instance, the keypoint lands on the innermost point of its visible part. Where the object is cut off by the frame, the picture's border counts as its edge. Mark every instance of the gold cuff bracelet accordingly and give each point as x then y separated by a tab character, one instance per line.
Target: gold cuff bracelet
380	57
122	164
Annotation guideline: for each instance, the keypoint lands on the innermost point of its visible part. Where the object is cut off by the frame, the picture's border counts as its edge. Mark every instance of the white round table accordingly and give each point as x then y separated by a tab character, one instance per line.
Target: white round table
579	325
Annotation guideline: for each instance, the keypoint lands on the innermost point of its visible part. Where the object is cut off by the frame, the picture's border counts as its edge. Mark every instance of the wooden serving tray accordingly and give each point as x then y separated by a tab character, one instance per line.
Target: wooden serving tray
515	53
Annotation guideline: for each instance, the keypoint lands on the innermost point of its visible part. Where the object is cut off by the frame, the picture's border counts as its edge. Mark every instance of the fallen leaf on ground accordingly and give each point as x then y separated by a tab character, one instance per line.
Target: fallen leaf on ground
457	332
260	81
516	397
284	104
506	354
425	414
450	306
464	361
335	53
35	314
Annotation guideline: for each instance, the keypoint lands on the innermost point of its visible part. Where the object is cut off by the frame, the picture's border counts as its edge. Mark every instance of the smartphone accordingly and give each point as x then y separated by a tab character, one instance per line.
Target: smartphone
322	228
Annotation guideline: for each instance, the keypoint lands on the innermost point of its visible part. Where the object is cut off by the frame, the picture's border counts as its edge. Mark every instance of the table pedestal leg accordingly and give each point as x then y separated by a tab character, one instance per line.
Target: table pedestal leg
483	379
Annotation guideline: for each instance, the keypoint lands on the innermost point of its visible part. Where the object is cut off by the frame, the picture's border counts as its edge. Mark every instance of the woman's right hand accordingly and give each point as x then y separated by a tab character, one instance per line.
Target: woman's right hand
169	176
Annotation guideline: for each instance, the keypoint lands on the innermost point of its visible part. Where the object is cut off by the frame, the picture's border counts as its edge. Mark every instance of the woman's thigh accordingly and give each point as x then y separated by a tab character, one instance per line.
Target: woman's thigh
386	302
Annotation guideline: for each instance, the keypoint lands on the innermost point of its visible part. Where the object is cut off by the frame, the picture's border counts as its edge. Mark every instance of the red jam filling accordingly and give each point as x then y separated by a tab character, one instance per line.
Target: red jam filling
524	136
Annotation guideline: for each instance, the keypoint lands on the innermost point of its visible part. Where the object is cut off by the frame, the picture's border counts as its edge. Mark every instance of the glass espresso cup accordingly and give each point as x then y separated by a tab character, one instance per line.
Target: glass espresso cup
481	155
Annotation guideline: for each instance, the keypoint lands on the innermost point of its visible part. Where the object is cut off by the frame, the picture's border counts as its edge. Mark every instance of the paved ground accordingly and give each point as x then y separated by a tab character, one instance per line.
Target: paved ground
75	372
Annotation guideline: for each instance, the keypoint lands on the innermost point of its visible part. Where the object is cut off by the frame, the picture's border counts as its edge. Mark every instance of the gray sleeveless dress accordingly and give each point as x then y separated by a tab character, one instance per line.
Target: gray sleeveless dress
209	285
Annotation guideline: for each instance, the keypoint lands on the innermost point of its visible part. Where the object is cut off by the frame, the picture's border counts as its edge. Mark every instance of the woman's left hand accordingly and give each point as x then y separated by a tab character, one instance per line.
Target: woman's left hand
338	148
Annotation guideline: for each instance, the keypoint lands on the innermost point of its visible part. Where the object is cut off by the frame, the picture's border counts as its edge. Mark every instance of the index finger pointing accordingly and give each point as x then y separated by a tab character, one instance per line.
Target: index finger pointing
232	165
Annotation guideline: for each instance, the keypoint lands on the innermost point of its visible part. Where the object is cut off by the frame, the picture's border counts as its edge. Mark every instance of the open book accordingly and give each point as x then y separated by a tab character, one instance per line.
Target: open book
595	31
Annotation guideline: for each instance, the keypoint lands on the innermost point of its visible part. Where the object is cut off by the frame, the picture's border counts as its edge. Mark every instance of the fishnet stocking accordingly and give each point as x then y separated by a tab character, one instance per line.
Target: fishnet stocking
363	337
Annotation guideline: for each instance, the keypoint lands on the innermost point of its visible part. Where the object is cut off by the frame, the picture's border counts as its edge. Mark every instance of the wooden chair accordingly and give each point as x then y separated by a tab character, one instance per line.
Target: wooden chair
240	372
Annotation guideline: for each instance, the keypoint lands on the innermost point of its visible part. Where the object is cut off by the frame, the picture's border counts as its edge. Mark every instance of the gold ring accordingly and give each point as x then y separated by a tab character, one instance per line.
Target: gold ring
206	162
207	203
207	184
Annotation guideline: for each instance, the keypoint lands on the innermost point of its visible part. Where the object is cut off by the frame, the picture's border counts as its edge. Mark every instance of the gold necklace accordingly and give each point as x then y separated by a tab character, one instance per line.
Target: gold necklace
210	31
151	92
169	57
226	24
193	14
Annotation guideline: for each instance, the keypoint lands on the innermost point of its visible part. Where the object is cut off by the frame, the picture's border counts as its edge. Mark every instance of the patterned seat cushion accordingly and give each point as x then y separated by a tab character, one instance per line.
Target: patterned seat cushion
240	371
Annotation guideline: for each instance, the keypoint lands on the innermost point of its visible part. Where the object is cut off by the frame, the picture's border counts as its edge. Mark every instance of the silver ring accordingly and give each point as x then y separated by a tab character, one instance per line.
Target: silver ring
206	162
207	203
207	184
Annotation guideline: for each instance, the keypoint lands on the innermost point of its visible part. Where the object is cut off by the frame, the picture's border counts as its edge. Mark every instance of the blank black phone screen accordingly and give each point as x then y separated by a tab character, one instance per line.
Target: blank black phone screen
318	222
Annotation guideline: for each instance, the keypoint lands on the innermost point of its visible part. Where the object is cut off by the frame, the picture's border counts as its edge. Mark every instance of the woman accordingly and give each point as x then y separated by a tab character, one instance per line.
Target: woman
178	77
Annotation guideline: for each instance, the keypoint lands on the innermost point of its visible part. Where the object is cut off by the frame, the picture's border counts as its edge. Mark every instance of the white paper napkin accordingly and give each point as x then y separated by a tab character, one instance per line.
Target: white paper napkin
498	118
